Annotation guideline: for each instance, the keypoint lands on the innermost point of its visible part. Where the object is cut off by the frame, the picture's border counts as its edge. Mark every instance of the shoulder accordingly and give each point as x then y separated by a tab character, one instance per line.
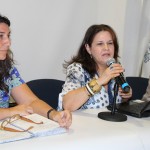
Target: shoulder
75	71
14	70
74	67
15	78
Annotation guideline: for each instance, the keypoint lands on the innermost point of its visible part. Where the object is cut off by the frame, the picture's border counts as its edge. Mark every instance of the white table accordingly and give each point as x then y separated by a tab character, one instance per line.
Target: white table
88	132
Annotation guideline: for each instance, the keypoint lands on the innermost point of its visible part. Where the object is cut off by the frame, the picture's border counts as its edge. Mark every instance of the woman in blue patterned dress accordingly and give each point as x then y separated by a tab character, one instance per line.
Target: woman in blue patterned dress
89	81
12	84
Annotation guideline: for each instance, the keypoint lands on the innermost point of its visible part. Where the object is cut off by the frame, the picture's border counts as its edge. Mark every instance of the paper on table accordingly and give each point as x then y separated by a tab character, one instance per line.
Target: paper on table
47	128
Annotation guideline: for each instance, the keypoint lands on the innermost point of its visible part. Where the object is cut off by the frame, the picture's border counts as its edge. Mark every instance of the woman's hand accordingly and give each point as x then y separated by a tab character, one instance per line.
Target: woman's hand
22	110
111	72
64	118
125	96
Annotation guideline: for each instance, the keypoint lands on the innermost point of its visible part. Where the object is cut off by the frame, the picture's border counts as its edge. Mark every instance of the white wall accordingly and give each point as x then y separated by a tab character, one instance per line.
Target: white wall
132	56
47	32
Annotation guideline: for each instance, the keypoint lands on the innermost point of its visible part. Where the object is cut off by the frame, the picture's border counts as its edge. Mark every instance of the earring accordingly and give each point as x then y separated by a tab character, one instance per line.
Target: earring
91	56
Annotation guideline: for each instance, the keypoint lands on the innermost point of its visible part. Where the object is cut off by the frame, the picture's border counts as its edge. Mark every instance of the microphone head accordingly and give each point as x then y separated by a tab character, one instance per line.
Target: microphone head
126	89
110	61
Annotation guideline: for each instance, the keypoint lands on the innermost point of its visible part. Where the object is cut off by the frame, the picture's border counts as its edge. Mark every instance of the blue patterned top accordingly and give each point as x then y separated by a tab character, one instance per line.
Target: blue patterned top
78	77
12	81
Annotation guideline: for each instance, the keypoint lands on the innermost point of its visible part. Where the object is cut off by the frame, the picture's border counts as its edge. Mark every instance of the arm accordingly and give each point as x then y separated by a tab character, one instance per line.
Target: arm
29	103
73	94
75	99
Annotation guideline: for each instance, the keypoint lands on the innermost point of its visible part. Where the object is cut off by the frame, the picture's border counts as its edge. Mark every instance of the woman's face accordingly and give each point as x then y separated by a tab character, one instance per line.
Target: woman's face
4	40
102	47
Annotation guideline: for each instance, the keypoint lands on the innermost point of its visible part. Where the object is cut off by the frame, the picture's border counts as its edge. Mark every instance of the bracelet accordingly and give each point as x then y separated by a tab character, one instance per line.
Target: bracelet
48	113
93	87
87	91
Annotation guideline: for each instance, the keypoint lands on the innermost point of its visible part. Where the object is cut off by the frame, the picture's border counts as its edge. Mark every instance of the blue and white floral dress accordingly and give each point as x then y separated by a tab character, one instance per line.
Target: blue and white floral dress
78	77
12	81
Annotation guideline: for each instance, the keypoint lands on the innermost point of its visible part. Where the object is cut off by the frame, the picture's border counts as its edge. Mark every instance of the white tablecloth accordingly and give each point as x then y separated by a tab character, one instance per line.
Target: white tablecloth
88	132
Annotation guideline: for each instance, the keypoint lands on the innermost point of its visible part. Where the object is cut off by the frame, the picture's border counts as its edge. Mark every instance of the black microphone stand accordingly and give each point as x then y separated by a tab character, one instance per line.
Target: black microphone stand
113	115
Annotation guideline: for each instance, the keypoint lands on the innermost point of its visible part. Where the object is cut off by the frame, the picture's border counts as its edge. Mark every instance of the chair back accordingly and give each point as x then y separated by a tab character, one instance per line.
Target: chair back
47	89
138	85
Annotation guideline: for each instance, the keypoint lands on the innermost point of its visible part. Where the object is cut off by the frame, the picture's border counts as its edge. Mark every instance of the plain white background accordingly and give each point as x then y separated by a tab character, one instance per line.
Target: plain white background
47	32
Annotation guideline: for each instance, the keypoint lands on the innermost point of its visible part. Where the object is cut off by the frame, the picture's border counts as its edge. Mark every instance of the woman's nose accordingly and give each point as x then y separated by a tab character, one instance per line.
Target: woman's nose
106	46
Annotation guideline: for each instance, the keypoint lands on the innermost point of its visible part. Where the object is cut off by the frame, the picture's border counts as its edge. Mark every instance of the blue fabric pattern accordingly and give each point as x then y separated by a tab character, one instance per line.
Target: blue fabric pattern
12	81
78	77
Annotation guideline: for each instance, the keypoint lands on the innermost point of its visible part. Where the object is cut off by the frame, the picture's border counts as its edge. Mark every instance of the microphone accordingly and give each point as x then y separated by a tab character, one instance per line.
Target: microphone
120	79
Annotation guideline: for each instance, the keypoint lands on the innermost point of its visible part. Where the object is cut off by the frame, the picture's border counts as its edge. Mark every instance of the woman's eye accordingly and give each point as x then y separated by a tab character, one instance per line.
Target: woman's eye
1	36
110	43
100	43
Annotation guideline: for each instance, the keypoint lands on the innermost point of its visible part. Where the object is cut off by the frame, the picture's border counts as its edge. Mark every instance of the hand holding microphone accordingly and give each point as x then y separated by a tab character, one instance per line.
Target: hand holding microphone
119	79
111	72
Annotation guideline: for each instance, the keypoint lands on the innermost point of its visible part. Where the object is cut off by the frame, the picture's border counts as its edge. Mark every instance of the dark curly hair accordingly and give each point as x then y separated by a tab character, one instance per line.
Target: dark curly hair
5	65
83	56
